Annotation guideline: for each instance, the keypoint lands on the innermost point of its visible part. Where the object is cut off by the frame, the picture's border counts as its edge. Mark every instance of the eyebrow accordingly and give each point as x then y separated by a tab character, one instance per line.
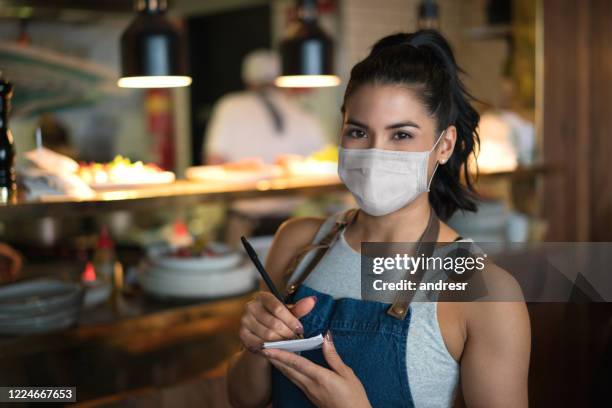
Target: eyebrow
351	121
408	123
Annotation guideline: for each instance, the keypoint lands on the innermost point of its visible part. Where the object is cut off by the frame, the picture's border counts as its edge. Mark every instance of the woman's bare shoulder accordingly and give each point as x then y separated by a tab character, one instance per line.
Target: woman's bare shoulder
292	237
300	227
502	307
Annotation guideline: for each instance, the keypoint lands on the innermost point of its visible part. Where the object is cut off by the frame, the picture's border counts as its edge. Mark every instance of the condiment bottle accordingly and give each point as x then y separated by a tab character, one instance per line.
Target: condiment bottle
104	256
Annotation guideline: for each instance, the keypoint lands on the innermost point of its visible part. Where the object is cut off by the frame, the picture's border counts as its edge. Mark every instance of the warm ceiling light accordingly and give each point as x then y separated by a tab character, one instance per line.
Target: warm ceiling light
307	52
152	50
307	81
154	81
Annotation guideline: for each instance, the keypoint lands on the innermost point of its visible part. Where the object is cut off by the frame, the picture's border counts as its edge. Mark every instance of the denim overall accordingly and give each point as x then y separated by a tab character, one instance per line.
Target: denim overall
367	339
369	336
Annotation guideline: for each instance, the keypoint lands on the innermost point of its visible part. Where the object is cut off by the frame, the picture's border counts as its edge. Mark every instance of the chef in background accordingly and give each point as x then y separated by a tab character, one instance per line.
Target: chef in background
261	121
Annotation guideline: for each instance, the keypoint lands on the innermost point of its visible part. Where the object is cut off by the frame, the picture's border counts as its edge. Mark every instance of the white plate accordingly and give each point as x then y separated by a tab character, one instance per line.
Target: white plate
204	263
220	174
194	282
222	283
151	179
173	274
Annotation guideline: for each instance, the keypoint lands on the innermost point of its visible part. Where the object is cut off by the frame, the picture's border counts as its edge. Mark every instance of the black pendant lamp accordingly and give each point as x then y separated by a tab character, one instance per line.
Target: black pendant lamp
307	52
429	15
152	54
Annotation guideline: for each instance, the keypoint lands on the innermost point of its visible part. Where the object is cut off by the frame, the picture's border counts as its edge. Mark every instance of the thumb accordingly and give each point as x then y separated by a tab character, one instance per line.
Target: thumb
303	306
331	355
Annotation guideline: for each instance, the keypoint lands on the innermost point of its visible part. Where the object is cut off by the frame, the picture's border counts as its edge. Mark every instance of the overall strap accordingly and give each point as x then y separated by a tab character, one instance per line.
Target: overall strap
425	246
321	247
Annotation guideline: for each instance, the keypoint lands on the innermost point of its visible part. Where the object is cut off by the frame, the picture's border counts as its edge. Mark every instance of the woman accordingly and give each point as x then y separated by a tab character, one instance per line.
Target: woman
408	130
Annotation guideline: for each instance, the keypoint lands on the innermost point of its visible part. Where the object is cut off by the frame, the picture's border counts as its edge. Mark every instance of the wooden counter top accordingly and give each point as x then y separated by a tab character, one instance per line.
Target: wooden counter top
155	350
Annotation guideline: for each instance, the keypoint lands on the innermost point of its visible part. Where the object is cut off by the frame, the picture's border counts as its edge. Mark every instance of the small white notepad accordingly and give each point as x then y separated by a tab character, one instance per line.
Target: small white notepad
311	343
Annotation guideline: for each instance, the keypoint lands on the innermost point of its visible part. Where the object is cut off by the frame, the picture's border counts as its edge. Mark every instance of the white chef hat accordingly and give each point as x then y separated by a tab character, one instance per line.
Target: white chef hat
260	67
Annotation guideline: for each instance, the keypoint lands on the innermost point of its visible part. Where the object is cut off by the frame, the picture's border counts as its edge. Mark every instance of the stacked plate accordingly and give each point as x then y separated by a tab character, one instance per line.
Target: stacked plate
186	278
39	306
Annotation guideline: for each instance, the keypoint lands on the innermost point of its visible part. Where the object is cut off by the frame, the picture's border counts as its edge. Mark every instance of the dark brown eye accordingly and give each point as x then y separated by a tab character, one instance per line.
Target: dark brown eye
356	133
402	135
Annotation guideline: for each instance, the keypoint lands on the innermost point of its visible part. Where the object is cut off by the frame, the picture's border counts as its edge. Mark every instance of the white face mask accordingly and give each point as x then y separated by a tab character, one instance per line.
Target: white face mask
383	181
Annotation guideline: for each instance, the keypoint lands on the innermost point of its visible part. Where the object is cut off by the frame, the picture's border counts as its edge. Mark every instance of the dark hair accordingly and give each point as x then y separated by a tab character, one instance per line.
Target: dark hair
424	62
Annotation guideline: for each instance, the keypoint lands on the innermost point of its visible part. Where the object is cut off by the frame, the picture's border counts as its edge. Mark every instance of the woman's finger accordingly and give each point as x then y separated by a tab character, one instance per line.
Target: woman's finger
250	341
280	311
303	306
332	357
263	332
298	363
270	322
299	379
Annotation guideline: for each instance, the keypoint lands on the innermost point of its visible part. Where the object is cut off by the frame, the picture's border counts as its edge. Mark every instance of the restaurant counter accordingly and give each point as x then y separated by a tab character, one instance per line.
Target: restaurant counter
185	193
182	193
134	350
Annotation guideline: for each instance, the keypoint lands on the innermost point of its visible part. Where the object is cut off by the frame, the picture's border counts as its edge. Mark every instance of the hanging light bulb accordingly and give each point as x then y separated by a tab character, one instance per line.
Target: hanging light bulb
307	52
152	54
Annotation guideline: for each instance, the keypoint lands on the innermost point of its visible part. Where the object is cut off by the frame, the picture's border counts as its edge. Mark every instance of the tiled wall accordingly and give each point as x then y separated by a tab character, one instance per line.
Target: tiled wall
363	22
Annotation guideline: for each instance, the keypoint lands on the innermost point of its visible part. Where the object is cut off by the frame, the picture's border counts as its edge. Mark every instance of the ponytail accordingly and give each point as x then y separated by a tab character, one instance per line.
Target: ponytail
424	61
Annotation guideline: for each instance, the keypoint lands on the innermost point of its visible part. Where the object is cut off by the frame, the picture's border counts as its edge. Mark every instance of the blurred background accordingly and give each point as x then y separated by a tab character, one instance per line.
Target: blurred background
151	134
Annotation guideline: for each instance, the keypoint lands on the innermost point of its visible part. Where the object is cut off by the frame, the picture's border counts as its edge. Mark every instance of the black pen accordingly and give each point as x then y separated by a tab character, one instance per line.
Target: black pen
260	268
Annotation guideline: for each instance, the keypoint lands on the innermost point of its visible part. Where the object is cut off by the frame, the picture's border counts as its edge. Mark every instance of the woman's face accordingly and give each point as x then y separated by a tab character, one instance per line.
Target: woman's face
391	117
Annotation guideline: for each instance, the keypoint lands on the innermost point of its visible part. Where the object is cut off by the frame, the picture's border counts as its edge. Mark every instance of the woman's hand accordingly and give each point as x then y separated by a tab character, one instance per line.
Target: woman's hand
338	387
267	319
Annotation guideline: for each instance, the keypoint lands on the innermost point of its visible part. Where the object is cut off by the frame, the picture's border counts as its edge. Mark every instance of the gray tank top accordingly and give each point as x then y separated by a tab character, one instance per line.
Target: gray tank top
433	374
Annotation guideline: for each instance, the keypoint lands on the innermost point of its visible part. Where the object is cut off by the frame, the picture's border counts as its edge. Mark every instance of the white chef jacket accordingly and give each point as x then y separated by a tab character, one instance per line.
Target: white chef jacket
241	127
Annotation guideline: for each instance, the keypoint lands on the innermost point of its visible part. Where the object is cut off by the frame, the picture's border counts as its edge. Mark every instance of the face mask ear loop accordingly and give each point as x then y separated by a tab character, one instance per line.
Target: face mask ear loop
436	167
437	141
432	176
